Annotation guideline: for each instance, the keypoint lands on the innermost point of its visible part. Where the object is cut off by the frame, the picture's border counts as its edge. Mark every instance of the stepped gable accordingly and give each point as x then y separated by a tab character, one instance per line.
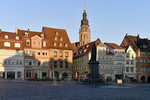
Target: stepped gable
52	33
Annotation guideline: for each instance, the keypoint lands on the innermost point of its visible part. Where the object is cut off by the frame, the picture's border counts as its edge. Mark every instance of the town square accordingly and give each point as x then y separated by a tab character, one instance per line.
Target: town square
74	50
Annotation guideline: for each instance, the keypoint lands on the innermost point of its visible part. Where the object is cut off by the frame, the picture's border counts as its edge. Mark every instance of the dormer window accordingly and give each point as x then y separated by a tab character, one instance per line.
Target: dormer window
56	33
42	36
60	44
61	39
28	42
55	38
6	36
17	45
44	44
66	45
6	44
17	38
54	44
26	34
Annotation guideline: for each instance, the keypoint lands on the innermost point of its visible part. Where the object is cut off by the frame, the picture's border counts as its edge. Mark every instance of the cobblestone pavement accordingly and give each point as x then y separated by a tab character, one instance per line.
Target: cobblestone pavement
24	90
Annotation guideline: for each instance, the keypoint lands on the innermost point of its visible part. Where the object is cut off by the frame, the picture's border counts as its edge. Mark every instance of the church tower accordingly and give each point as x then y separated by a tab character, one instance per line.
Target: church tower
84	32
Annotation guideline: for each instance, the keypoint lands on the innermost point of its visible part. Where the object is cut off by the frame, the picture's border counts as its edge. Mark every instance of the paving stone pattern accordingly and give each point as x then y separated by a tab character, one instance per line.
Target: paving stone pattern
72	91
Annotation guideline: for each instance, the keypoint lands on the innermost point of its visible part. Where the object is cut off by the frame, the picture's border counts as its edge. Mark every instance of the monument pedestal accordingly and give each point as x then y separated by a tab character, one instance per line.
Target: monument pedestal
94	76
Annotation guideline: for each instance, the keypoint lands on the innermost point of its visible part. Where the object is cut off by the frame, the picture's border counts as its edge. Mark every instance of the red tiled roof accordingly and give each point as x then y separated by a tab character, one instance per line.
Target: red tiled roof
85	49
115	46
50	34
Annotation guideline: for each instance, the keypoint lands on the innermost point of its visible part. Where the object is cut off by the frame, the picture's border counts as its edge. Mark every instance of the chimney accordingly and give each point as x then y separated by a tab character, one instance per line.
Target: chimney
16	30
0	30
126	34
28	30
138	36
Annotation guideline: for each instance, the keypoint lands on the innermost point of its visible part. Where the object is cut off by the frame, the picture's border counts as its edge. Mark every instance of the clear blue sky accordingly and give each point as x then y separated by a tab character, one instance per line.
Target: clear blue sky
108	19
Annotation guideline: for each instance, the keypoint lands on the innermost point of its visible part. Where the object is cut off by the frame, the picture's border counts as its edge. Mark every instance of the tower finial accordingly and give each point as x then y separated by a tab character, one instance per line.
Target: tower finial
84	5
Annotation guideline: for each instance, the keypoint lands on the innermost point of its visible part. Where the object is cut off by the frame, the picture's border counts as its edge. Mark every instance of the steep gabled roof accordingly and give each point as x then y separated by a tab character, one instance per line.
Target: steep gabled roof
51	33
114	46
85	49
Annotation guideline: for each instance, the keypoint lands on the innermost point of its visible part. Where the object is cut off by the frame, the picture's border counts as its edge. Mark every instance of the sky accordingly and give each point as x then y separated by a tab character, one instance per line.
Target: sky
109	20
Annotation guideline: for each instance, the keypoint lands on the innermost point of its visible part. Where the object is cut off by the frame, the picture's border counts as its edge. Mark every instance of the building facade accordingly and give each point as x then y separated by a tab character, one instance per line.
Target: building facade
130	63
119	59
142	49
106	62
11	56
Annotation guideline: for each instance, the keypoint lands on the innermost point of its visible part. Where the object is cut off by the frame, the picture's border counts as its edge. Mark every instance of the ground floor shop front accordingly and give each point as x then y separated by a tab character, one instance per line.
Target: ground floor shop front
12	73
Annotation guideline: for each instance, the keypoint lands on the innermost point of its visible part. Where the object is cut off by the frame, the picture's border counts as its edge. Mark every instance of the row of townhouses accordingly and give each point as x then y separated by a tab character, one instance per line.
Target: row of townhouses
27	54
130	60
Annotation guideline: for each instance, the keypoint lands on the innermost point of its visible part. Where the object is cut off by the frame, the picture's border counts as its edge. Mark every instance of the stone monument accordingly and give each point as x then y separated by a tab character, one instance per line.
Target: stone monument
94	76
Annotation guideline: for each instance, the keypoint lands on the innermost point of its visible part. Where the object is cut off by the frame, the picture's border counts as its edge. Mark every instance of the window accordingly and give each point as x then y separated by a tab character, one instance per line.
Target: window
56	33
61	54
66	45
60	44
44	74
34	62
54	44
26	63
127	61
6	44
35	73
55	53
17	45
127	55
30	52
132	62
39	53
17	38
127	69
26	34
55	38
38	43
55	64
132	69
61	64
28	73
34	43
66	64
28	42
26	52
39	63
6	36
33	53
30	62
61	39
21	62
13	62
45	53
44	44
8	62
66	54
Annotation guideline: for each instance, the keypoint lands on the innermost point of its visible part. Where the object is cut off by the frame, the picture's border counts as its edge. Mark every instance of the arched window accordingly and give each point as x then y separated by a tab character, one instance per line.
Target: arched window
17	45
17	38
6	44
6	36
66	45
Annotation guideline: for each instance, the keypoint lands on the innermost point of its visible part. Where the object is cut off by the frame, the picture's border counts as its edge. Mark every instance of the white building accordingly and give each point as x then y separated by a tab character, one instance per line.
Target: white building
130	63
